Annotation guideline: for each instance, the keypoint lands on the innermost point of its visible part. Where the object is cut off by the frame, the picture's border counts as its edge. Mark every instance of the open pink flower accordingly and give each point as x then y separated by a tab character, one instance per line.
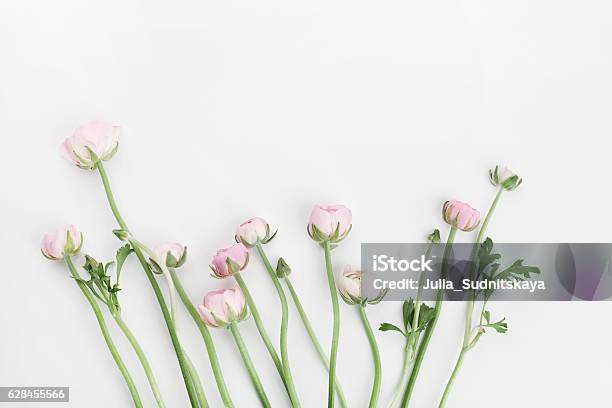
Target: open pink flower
222	307
330	223
253	231
66	241
460	215
228	261
99	138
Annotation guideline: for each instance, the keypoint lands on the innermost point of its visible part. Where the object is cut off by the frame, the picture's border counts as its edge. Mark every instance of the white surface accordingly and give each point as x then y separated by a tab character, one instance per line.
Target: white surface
237	108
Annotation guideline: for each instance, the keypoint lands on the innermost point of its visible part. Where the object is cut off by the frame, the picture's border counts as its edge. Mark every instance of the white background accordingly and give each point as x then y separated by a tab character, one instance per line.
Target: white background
233	109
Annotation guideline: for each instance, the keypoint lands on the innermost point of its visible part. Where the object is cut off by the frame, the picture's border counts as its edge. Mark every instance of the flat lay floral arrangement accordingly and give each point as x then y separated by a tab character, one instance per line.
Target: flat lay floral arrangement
99	281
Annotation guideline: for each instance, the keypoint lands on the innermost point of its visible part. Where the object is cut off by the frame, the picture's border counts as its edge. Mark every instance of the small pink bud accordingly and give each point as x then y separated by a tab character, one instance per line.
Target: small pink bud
228	261
91	142
66	241
460	215
254	231
331	223
172	254
222	307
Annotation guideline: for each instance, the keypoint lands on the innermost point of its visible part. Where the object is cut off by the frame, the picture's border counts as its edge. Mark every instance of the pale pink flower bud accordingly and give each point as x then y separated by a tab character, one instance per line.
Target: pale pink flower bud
223	307
91	142
66	241
228	261
331	223
504	177
254	231
349	287
172	254
460	215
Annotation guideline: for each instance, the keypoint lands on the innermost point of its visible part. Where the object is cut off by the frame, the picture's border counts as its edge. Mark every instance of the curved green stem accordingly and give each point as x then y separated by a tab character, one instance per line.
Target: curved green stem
260	327
336	328
162	265
313	338
249	366
142	358
432	325
187	376
208	341
375	355
107	337
467	330
284	325
398	394
195	378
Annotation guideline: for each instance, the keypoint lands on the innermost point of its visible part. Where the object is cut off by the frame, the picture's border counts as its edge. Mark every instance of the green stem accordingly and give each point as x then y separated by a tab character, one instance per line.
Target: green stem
162	265
432	325
313	338
467	330
284	325
143	359
249	366
208	341
187	377
195	378
260	327
375	355
451	380
107	337
336	328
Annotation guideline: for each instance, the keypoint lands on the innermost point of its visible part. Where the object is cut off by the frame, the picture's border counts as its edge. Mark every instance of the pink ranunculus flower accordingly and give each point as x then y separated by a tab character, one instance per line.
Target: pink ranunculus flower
172	254
66	241
223	307
349	286
331	223
460	215
99	138
254	231
228	261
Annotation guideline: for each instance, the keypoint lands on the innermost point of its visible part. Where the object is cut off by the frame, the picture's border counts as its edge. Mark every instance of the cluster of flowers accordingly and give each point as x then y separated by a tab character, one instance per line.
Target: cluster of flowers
97	142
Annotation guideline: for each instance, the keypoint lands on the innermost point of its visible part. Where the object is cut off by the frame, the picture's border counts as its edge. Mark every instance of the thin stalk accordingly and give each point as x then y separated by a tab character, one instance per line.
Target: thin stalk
260	327
208	341
411	341
336	328
432	325
313	337
195	378
375	355
143	359
162	265
187	377
467	330
284	325
249	366
107	337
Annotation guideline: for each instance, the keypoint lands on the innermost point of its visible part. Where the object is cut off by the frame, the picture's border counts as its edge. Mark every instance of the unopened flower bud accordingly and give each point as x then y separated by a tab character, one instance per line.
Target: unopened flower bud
222	307
66	241
254	231
172	254
282	268
434	237
331	223
228	261
90	143
460	215
349	286
504	177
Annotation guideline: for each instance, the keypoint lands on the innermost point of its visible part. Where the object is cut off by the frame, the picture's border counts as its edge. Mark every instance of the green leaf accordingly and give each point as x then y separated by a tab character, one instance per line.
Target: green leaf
408	313
500	326
390	327
122	254
487	316
517	271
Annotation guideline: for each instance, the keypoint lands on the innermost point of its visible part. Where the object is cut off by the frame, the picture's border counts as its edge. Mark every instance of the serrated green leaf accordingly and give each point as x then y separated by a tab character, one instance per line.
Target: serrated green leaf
390	327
